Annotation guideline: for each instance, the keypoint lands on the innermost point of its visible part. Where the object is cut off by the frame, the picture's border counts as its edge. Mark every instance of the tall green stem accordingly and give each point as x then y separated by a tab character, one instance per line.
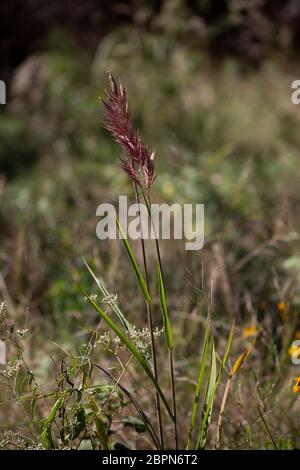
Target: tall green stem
150	324
148	204
173	396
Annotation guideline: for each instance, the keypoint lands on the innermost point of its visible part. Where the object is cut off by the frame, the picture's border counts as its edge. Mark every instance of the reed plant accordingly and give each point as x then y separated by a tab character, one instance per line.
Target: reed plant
138	162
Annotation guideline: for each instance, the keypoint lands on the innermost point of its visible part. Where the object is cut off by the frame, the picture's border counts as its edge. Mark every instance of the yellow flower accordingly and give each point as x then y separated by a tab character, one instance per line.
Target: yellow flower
296	387
281	306
249	331
294	351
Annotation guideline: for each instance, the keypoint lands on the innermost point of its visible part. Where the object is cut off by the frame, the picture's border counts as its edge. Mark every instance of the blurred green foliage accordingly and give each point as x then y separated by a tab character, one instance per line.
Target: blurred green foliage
223	137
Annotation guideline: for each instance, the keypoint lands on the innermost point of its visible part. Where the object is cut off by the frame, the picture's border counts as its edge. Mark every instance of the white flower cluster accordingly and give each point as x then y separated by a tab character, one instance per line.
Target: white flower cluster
105	341
142	338
12	369
3	311
110	299
8	438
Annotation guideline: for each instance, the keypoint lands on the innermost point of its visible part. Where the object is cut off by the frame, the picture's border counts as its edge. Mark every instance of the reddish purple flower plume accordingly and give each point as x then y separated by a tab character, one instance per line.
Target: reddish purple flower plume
138	160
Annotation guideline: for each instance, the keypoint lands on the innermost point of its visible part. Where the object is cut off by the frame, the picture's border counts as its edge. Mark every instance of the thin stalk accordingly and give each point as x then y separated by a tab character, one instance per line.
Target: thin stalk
236	367
150	324
266	425
171	364
220	419
136	405
148	204
173	396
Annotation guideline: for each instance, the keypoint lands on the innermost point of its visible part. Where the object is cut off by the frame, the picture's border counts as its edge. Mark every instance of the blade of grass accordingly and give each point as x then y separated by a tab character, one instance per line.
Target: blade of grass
241	359
163	303
229	342
208	398
236	367
126	341
106	293
134	263
199	384
46	424
205	422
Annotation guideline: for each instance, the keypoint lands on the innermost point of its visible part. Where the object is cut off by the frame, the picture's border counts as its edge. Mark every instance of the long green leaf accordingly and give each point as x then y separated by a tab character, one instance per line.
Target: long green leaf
163	303
134	263
199	383
228	346
162	291
205	422
106	293
126	341
46	424
208	399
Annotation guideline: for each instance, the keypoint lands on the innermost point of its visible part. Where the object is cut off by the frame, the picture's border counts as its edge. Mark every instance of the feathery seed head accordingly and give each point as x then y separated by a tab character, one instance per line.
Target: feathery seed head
118	122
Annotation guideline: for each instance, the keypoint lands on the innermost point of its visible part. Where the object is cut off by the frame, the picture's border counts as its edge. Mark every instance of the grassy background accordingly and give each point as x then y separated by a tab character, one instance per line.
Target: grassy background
225	134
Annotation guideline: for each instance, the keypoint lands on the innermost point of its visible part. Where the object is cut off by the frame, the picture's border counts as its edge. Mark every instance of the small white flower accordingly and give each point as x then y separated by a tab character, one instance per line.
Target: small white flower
92	297
21	333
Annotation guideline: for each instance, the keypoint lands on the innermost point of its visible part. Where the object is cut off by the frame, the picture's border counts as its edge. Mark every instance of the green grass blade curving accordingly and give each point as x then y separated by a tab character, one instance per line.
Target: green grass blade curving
134	263
164	307
199	384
